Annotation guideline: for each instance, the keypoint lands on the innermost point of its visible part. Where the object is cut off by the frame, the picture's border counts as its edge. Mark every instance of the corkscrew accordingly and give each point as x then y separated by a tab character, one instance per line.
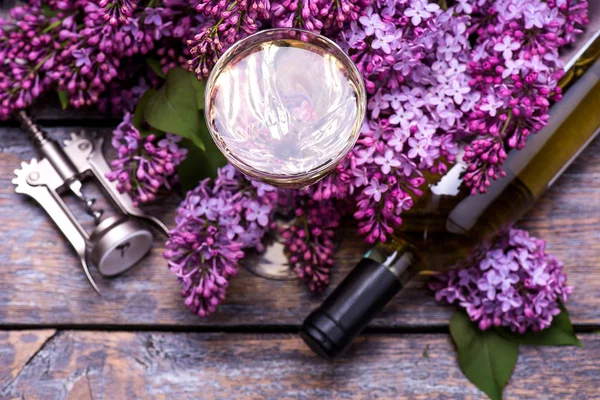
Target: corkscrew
118	241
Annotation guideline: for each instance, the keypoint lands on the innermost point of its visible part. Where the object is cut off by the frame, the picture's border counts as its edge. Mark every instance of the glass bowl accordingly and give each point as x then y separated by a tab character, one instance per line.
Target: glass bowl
285	106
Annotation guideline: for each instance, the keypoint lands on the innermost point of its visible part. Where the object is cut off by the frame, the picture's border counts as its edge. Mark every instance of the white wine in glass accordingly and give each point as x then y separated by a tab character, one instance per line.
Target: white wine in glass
285	106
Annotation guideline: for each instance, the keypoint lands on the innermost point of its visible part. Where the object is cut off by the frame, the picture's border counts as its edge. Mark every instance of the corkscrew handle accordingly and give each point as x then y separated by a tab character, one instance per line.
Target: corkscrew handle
330	329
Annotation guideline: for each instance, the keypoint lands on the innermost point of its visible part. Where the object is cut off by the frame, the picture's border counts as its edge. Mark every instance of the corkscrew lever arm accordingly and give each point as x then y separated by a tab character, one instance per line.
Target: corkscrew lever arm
35	180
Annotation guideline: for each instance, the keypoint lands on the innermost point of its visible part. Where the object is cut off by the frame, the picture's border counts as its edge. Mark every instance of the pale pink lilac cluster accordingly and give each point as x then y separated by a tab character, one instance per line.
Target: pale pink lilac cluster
514	68
413	56
310	240
215	223
143	164
515	285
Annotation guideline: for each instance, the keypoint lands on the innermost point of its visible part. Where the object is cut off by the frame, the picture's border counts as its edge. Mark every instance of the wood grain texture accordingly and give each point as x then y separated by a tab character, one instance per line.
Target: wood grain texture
122	365
42	283
17	348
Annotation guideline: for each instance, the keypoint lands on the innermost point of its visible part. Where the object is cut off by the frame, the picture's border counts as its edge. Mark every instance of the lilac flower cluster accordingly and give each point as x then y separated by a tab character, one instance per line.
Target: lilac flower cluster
93	52
514	67
181	21
316	15
142	166
479	74
227	22
413	56
123	93
118	10
79	47
516	285
309	242
426	98
214	224
25	54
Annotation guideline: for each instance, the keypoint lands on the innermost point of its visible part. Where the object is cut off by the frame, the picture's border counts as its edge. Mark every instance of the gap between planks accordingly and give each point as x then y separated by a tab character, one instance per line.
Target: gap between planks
244	329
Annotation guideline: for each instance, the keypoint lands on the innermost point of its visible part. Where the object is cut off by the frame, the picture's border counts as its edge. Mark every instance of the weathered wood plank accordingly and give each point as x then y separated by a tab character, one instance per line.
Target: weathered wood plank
41	282
17	348
124	365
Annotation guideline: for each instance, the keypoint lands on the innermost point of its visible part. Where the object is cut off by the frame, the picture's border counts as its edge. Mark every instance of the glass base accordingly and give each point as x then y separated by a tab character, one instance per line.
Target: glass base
270	264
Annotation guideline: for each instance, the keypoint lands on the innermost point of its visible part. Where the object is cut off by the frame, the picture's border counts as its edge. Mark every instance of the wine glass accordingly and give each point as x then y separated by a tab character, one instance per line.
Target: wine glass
285	106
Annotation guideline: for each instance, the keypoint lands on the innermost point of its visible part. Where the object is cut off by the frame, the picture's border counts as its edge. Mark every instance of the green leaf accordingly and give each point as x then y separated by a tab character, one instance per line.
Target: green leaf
63	96
201	162
199	88
173	107
486	358
559	333
140	109
198	165
154	64
190	171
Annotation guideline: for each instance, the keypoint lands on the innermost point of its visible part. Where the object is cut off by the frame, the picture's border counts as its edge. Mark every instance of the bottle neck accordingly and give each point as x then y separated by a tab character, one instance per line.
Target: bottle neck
398	256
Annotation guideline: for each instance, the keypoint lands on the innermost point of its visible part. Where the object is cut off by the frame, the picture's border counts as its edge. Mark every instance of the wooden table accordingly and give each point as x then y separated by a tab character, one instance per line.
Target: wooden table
60	340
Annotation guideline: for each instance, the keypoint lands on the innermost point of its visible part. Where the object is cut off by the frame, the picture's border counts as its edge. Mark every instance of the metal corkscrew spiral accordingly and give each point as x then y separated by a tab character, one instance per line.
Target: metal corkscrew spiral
89	208
37	136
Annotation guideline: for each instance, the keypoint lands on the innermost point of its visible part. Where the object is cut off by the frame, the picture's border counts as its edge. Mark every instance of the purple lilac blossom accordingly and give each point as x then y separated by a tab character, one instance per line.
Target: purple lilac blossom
325	16
143	164
309	241
26	53
515	67
227	22
431	91
215	222
82	51
124	92
90	55
437	78
173	50
515	285
413	56
93	54
116	11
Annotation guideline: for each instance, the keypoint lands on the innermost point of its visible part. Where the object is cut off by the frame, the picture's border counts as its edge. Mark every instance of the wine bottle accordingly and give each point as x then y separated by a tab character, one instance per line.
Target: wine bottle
451	225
